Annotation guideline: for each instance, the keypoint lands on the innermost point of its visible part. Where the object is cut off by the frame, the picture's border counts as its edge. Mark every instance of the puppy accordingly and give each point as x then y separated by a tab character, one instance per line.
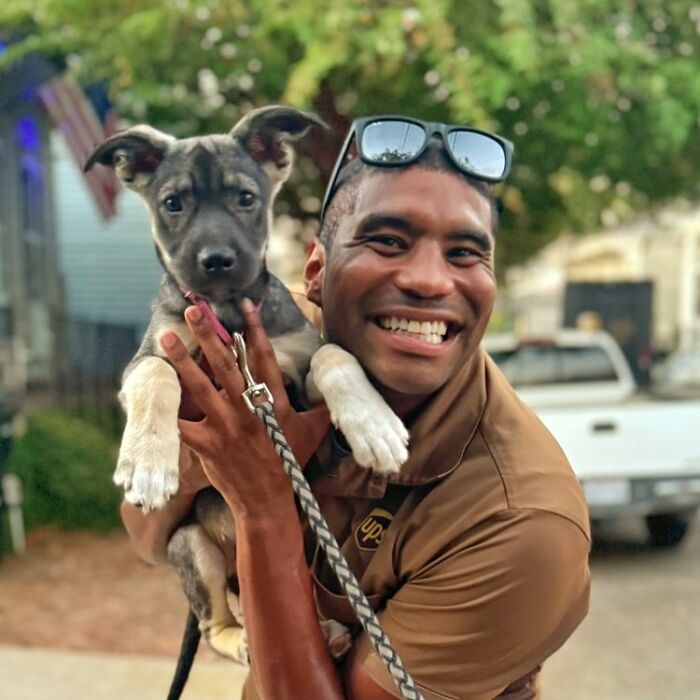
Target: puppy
210	200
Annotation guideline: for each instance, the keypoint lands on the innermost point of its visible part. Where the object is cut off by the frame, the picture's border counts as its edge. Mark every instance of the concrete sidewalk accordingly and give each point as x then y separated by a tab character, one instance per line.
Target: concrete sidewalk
29	673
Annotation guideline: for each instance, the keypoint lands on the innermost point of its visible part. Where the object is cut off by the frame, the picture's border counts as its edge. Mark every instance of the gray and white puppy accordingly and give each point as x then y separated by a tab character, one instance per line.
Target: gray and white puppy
210	200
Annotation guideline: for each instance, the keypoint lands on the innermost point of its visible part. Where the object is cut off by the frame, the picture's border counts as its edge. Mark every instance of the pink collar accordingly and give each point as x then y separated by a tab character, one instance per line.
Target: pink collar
204	307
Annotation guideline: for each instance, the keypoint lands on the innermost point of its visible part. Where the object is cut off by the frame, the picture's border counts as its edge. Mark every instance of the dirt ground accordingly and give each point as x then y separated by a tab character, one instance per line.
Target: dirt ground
83	591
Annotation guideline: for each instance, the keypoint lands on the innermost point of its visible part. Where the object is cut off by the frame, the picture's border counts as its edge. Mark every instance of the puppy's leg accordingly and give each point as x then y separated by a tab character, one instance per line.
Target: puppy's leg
375	433
202	569
338	637
147	467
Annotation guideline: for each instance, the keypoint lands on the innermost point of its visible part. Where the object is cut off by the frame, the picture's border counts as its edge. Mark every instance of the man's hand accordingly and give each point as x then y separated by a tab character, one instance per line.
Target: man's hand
237	455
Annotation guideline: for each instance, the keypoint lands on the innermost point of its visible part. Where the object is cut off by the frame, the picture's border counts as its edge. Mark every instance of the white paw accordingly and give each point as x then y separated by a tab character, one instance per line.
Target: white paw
147	467
338	637
377	437
229	641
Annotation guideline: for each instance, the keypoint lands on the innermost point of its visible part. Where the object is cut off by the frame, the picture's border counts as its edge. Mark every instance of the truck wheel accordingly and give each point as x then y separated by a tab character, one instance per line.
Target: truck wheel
667	529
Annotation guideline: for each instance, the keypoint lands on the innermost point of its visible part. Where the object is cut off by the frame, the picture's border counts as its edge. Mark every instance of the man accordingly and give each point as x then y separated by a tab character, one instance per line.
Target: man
475	554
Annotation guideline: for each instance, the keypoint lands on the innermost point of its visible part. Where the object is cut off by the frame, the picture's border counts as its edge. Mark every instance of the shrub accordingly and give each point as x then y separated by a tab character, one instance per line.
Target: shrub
66	467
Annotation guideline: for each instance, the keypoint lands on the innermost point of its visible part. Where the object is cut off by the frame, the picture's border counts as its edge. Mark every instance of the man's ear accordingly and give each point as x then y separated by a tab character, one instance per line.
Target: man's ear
314	270
135	154
267	134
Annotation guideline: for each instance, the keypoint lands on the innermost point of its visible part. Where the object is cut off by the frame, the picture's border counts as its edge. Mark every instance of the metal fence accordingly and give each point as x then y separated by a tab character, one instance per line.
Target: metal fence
95	356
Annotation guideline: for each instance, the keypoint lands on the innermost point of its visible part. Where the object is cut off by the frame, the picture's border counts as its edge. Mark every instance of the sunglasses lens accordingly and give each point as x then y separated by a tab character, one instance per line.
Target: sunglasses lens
477	153
392	141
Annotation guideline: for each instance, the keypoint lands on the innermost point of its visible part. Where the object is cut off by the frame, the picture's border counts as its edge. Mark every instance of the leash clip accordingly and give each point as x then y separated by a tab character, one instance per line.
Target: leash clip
257	393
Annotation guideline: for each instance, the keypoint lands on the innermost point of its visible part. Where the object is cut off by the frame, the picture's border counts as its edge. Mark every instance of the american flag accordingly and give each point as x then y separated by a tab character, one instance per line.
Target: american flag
72	113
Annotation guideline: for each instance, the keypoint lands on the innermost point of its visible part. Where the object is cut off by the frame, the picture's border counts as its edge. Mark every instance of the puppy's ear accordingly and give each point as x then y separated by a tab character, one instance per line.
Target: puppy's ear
267	133
135	154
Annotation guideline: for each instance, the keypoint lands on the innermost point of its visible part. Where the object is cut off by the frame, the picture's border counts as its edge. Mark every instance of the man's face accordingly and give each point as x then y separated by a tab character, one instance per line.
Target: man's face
408	284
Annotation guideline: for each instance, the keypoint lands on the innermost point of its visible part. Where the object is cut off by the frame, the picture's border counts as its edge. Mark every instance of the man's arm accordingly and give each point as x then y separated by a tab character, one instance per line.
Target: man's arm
289	653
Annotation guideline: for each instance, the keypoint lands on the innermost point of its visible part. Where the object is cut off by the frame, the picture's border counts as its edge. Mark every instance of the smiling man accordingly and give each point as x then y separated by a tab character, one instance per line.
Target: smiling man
475	554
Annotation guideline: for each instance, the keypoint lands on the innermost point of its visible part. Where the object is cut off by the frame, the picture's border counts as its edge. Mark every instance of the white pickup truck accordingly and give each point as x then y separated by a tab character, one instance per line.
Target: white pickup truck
635	455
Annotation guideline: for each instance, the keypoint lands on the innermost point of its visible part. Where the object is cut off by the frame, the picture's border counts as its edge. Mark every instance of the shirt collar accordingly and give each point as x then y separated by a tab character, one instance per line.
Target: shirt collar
443	429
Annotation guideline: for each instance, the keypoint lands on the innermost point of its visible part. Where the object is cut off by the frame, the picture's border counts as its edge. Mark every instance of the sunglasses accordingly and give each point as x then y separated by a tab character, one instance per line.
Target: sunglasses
390	141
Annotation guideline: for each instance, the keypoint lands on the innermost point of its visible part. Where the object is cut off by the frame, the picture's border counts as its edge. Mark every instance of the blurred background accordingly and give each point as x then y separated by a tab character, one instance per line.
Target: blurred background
597	322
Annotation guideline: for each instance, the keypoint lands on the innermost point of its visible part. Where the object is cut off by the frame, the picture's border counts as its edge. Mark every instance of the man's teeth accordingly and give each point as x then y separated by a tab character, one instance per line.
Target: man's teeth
430	331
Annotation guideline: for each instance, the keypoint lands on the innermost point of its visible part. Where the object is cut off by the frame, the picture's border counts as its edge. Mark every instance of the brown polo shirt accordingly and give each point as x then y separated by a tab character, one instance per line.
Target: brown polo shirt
474	555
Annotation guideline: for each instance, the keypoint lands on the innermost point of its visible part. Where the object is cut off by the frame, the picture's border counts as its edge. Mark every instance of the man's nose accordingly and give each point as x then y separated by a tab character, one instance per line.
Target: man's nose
424	271
216	259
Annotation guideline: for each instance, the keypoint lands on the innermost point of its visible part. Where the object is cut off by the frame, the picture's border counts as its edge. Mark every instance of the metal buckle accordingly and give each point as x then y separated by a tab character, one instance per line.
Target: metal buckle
257	393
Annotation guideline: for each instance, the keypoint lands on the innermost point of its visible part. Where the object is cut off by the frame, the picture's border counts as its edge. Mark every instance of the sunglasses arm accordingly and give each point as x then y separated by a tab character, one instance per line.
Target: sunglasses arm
340	161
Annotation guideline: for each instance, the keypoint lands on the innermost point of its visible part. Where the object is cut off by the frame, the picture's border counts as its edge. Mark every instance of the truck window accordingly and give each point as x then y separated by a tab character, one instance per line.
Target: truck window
535	365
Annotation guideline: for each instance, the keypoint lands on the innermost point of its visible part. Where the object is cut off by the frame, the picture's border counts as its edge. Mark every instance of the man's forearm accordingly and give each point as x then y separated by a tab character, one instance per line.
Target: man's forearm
289	653
151	532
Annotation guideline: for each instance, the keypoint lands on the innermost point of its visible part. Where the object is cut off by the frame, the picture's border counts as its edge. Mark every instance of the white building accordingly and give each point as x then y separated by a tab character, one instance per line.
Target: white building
661	247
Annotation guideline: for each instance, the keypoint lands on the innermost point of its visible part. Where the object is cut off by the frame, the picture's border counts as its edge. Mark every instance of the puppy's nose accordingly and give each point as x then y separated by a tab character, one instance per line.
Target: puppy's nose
216	259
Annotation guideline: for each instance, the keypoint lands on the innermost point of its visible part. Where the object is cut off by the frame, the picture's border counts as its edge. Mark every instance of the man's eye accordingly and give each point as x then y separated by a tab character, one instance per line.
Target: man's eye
246	199
386	241
463	254
173	204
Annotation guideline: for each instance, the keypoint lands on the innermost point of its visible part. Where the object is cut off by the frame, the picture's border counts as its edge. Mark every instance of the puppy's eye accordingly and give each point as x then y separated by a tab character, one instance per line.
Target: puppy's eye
246	199
173	204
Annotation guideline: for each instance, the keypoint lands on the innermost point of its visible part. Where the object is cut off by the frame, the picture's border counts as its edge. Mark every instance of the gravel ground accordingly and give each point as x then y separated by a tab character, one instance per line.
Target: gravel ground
84	593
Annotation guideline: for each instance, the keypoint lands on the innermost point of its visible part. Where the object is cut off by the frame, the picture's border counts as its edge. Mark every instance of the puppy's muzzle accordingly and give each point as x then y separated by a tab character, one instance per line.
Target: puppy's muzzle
216	260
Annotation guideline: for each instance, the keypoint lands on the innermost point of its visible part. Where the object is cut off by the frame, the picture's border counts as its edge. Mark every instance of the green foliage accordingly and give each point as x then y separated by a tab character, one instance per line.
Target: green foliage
66	467
591	92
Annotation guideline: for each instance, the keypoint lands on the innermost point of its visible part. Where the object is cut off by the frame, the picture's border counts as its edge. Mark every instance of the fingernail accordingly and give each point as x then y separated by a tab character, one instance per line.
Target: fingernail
247	305
194	314
168	340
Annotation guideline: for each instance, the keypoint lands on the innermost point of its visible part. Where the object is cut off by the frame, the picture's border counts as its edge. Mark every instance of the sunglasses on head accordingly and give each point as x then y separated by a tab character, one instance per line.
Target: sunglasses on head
391	141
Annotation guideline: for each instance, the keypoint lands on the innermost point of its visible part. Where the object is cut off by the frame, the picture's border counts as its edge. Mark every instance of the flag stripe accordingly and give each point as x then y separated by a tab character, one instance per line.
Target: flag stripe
57	100
73	115
85	134
88	131
55	108
92	131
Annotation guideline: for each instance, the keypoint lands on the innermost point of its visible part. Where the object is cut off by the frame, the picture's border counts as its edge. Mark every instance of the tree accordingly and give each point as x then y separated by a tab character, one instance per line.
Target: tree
601	97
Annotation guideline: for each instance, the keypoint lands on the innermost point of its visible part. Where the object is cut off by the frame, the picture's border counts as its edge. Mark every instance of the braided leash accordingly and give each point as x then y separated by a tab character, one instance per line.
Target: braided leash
259	400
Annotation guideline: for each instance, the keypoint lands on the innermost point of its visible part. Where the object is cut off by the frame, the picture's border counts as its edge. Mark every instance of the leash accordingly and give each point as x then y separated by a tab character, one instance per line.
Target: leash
259	400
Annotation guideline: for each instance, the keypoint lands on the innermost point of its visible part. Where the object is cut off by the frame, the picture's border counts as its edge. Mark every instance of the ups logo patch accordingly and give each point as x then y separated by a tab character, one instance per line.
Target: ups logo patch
370	532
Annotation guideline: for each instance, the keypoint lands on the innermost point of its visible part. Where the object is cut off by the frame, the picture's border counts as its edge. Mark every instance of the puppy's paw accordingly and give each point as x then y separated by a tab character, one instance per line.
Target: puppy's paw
229	641
125	467
338	638
377	437
148	465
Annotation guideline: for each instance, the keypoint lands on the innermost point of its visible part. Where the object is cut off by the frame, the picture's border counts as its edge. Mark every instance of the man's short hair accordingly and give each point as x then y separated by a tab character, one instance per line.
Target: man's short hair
350	177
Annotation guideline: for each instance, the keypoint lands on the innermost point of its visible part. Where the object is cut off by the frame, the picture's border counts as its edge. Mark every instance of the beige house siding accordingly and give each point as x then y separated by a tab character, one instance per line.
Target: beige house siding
661	248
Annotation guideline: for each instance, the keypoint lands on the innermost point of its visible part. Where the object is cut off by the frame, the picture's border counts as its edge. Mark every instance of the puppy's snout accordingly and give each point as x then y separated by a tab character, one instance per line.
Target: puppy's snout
216	259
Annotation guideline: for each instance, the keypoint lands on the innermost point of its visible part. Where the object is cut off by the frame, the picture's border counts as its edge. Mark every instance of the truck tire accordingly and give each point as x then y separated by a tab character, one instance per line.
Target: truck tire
667	529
